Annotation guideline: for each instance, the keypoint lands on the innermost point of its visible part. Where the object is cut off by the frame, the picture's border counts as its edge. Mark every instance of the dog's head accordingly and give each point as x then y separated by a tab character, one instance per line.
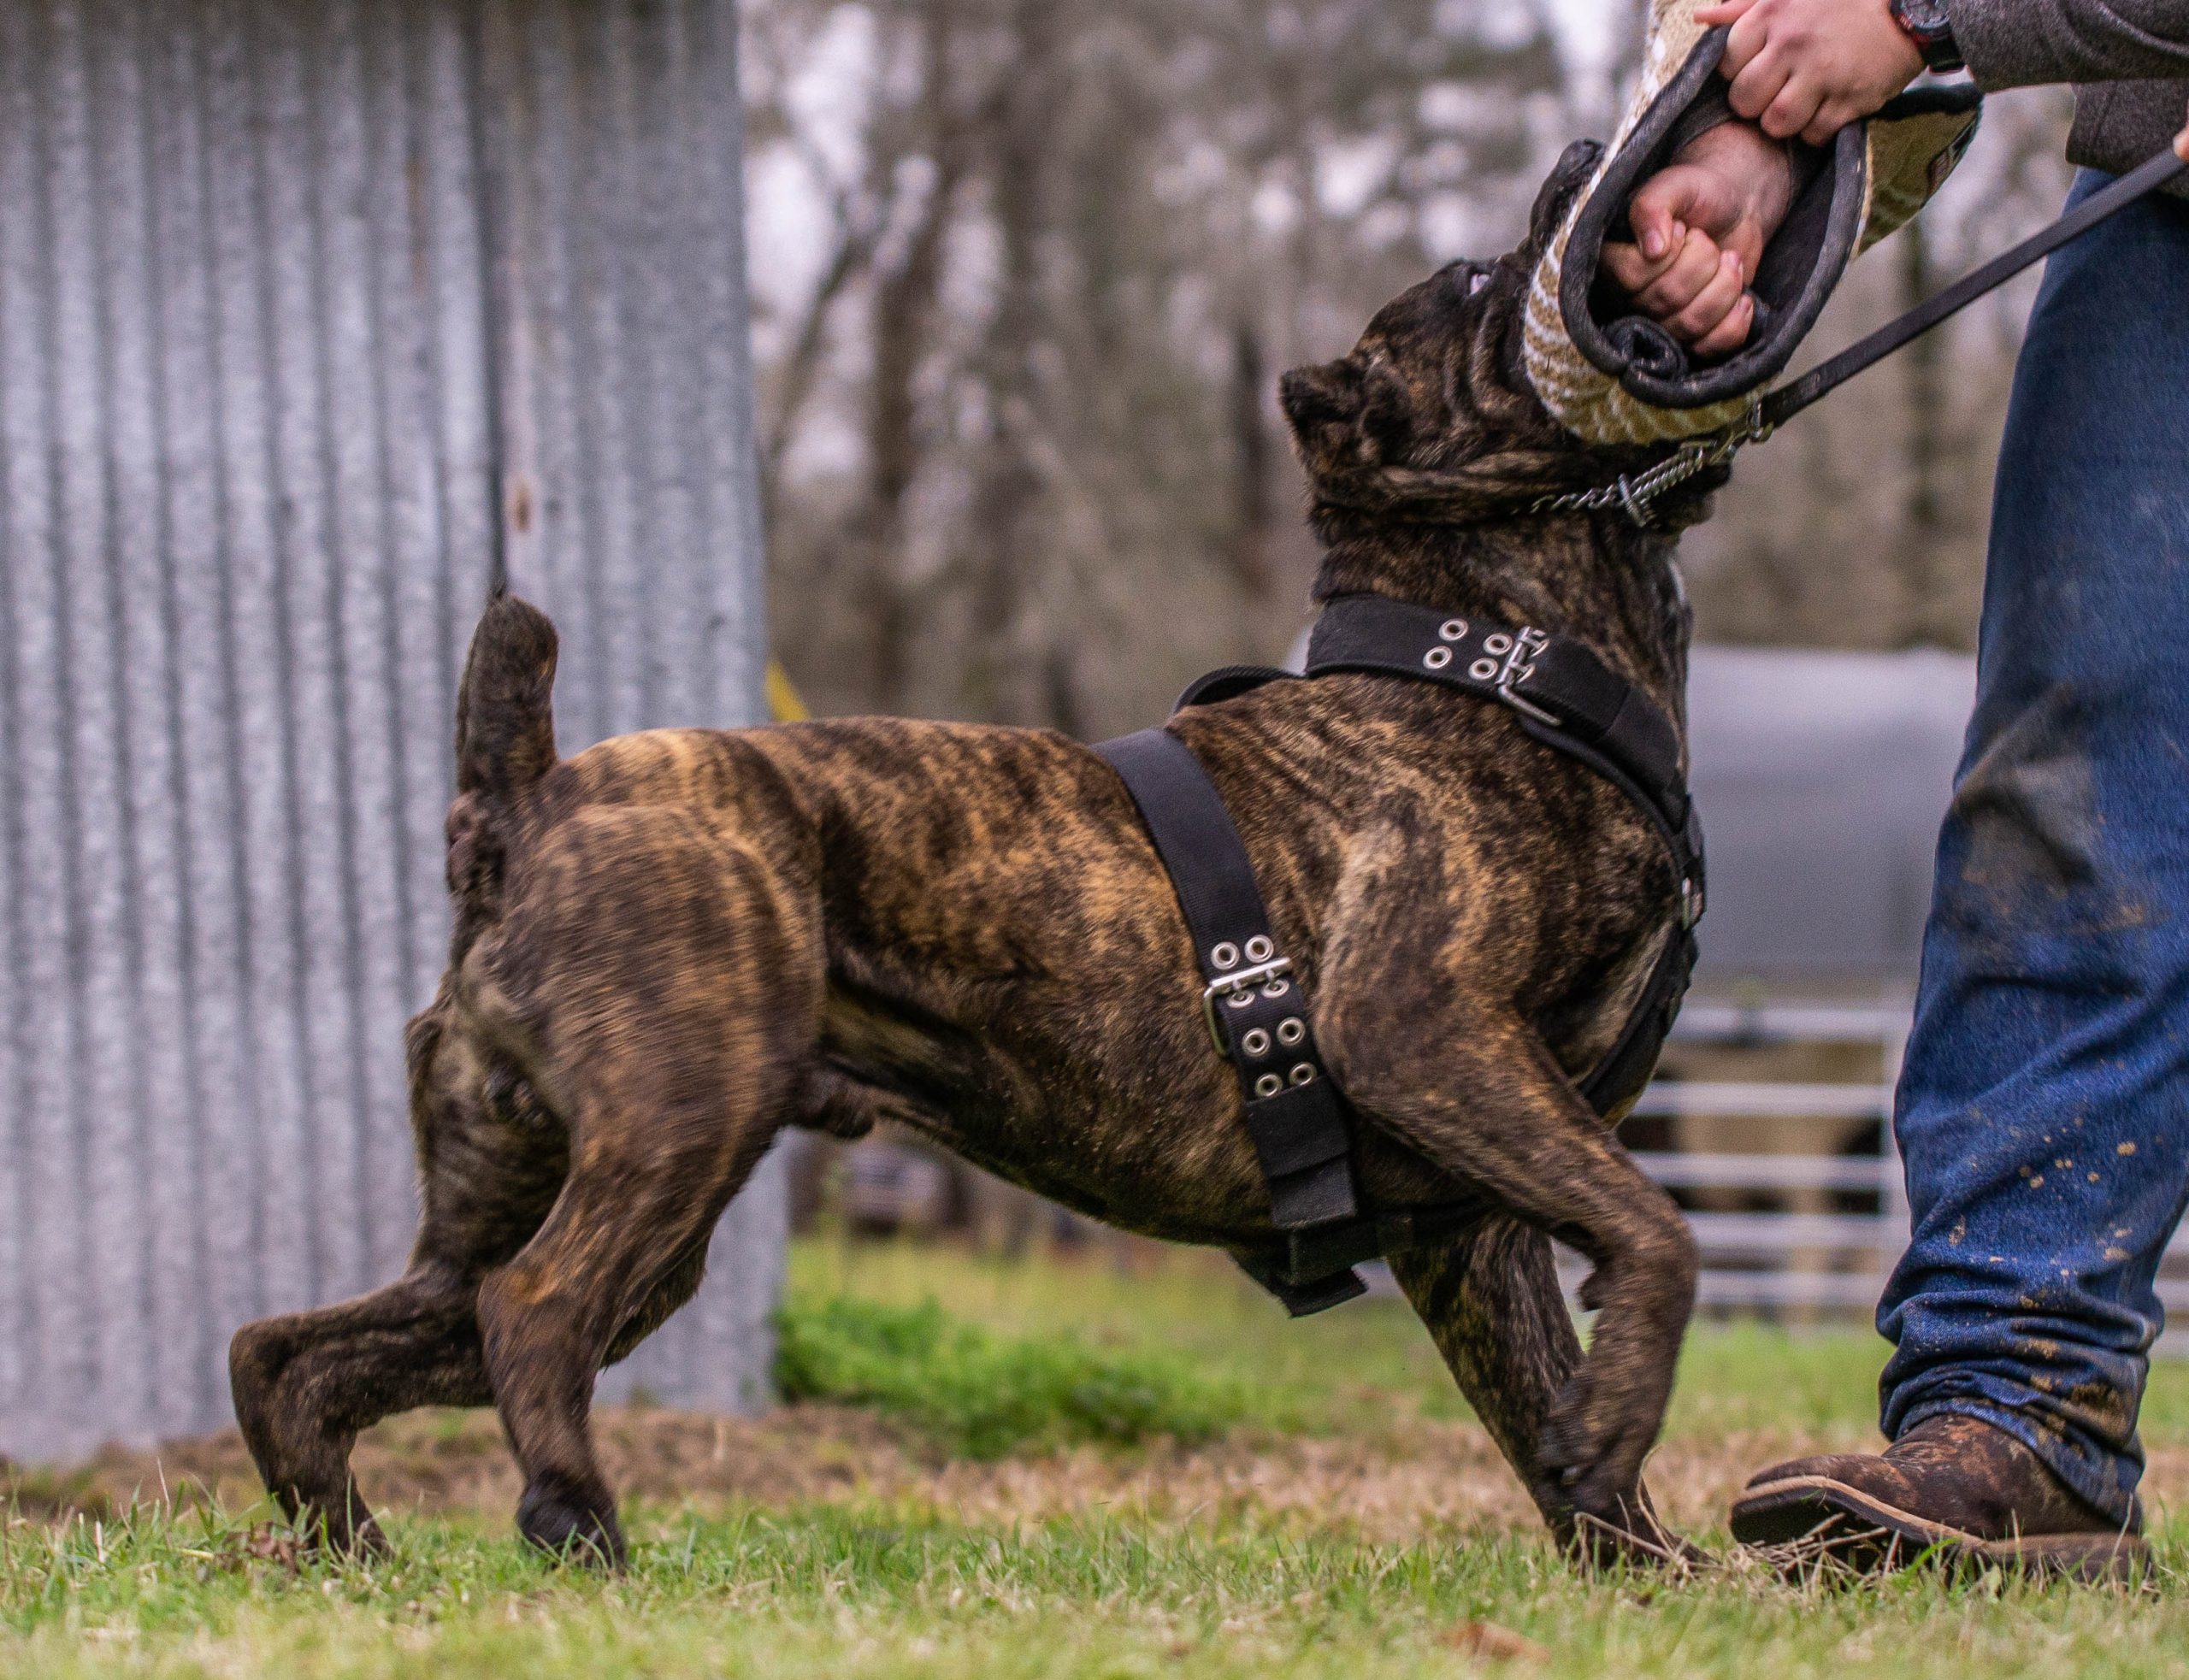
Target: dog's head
1430	419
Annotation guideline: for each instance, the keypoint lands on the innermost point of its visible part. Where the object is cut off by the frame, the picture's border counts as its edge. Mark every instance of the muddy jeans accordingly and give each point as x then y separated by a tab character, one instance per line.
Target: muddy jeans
2043	1113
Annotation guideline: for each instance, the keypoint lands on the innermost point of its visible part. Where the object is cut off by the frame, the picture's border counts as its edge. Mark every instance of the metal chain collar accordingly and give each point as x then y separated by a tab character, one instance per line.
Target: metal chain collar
1636	493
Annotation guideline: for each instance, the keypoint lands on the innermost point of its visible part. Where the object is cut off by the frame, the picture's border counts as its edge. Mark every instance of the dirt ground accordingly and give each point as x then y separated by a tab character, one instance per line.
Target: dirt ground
1387	1488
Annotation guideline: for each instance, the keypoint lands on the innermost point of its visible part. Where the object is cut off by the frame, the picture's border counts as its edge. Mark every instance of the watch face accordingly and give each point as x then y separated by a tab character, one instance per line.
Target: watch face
1926	17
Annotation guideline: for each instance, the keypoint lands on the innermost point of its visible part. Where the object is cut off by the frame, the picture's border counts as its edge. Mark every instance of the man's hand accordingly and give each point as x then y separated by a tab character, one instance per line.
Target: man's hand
1700	227
1812	67
2181	145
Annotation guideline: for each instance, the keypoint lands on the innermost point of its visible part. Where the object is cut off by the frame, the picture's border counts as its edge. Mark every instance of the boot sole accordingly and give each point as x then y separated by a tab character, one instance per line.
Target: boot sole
1832	1519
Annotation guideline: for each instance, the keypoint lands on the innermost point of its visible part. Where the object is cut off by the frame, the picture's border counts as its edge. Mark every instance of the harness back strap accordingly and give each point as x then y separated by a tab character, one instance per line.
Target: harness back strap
1252	1002
1550	680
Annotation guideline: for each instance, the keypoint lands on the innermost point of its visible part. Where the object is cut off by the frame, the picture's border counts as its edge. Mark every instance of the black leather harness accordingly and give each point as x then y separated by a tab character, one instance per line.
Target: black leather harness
1256	1013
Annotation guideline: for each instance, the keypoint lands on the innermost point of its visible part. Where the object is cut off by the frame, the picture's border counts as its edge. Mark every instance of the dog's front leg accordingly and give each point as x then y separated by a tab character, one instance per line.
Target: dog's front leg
1490	1300
307	1383
1484	1101
622	1248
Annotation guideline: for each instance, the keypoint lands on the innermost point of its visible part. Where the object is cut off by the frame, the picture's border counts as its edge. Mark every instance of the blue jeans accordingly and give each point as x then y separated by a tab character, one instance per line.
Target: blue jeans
2043	1111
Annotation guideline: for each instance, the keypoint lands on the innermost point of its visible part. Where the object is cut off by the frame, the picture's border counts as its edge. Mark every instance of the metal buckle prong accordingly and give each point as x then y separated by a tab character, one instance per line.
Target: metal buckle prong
1519	666
1242	980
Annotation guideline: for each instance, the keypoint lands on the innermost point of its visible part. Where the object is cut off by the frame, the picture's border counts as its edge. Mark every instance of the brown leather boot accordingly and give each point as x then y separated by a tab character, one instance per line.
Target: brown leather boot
1953	1488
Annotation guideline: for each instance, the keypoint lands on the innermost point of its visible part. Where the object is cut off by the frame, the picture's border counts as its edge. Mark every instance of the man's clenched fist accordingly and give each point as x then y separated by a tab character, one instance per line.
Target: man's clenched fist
1809	68
1700	227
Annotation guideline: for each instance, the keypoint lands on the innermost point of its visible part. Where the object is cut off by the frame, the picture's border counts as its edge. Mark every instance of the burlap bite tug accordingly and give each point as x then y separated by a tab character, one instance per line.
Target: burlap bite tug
1612	376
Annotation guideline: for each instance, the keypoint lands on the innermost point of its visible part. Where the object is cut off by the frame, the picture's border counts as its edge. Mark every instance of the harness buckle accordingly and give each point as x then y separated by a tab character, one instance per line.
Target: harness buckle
1236	987
1519	666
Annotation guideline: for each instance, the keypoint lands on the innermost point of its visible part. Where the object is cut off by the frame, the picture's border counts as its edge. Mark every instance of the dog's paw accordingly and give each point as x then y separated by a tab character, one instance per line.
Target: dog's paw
1592	1449
560	1519
1632	1539
336	1528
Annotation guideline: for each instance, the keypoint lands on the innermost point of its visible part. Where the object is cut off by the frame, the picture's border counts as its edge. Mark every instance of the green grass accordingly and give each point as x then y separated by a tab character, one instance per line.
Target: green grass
978	1357
847	1594
1368	1365
977	1395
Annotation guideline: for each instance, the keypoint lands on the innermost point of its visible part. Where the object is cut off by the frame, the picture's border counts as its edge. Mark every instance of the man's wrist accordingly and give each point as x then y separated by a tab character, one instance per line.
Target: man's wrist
1925	22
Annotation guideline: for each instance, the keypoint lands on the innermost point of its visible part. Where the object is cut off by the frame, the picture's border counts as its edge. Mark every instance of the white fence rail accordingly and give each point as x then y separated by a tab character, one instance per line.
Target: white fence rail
1796	1259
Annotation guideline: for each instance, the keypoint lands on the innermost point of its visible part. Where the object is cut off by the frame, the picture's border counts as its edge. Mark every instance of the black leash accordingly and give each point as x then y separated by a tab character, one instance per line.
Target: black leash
1635	493
1789	400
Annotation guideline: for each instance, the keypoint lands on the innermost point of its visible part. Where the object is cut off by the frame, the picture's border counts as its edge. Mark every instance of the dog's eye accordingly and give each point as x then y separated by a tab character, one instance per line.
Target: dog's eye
1476	280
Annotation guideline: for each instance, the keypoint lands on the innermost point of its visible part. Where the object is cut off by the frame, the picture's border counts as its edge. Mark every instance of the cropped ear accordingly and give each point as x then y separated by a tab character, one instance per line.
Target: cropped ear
1575	165
1320	404
1346	415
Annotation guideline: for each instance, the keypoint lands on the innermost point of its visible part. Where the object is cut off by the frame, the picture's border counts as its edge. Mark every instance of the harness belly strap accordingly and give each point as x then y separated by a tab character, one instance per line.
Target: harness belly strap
1565	698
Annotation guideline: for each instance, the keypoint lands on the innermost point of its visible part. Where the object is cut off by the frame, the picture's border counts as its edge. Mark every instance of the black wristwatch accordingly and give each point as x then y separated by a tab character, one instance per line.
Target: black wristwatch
1926	23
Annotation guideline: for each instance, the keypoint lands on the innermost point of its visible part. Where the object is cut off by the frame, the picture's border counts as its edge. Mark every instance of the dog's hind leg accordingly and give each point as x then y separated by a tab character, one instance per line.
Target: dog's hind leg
618	1254
1497	1112
306	1384
666	984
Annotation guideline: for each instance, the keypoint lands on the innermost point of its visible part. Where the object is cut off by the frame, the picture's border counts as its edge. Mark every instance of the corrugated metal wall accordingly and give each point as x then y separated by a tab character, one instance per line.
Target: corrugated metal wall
285	287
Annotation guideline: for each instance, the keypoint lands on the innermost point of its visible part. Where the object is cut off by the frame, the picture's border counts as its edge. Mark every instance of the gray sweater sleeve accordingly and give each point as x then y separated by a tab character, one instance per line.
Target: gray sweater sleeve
2021	43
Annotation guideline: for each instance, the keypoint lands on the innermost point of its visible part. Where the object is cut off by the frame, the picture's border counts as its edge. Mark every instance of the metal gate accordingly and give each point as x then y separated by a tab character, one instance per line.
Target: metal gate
309	309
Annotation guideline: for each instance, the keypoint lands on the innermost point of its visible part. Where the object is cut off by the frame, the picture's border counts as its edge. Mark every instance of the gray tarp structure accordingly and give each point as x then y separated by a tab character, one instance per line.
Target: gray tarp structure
303	305
1822	778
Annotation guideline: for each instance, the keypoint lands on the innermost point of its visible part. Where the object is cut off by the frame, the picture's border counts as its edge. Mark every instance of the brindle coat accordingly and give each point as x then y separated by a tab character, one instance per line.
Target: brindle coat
674	945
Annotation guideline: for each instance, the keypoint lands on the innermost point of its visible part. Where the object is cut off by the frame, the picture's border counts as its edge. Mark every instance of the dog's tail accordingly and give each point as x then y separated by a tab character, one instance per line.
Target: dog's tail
505	711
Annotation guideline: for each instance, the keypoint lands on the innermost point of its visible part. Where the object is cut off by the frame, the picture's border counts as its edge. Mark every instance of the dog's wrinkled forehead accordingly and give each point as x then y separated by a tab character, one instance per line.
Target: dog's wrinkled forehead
1420	331
1435	384
1412	365
1434	336
1433	307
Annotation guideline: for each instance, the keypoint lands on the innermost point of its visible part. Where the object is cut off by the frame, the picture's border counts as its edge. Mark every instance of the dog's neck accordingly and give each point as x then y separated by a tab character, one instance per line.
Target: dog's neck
1615	590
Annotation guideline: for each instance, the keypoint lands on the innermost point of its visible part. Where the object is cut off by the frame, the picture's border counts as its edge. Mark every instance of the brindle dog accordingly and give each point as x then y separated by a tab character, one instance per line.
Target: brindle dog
672	945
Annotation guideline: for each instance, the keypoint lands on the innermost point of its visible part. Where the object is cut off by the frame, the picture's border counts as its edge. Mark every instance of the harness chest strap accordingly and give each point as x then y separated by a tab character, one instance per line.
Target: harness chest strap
1253	1001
